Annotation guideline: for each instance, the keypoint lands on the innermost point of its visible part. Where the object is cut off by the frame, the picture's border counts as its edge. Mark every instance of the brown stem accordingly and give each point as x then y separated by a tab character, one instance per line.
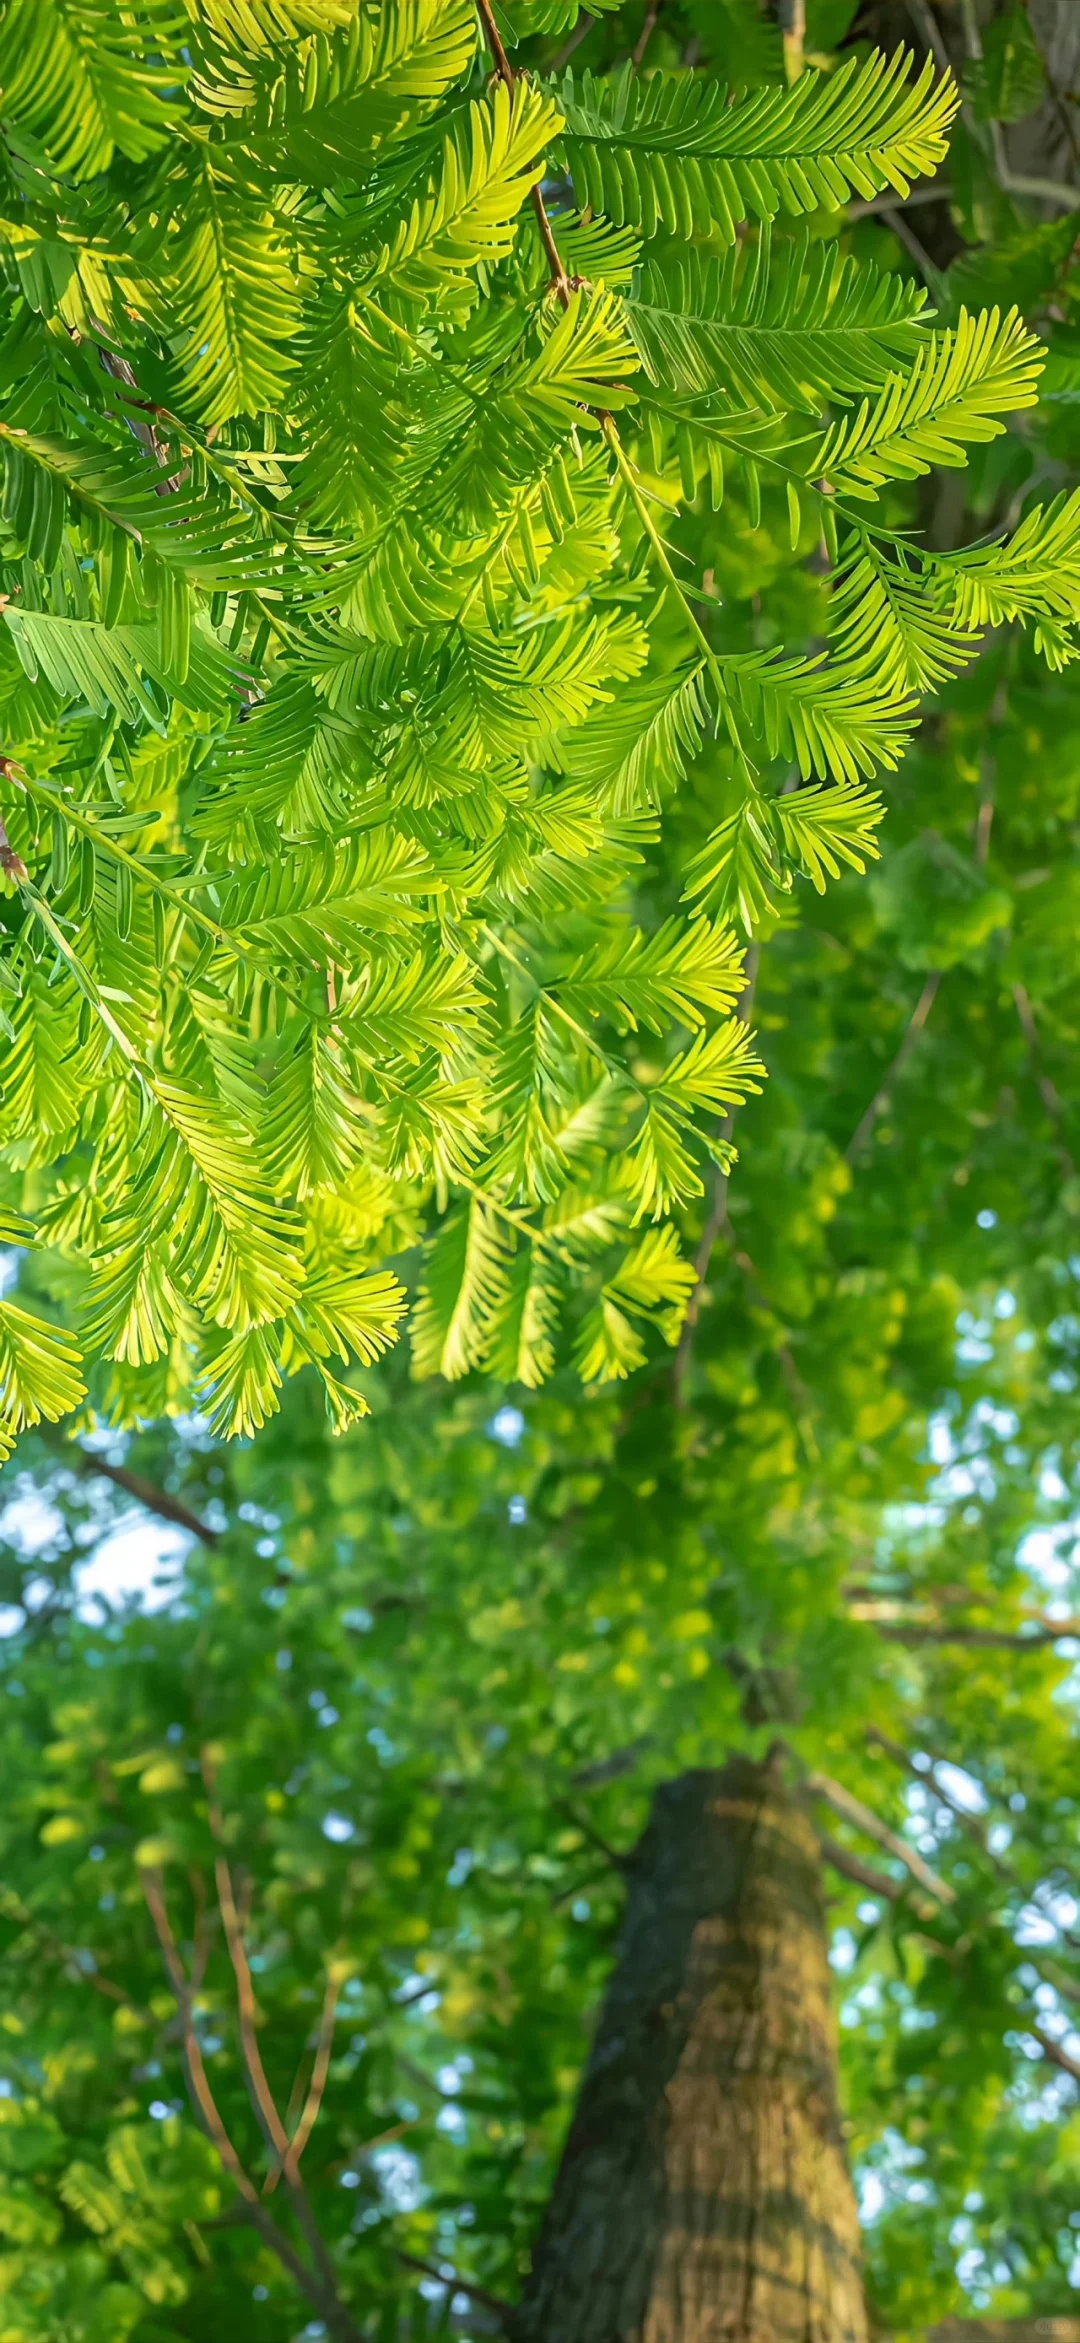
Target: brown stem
562	56
645	35
321	2291
608	1769
11	864
1054	2052
968	1822
323	2052
922	16
793	24
206	2106
894	219
247	2008
504	69
255	2074
915	1024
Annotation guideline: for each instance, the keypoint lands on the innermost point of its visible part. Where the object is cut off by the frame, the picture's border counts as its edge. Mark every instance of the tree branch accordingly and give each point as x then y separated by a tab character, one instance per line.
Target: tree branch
54	1948
850	1867
320	2291
1015	183
146	1493
270	2122
608	1769
915	1024
323	2051
620	1863
1054	2052
861	1818
989	1638
503	2311
583	27
922	16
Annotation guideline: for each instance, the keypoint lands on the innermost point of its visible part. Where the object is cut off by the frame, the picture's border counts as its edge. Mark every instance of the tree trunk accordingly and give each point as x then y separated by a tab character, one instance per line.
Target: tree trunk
703	2195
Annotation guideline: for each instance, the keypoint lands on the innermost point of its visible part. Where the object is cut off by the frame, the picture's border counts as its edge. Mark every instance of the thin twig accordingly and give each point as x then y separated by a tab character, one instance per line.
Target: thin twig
11	864
645	35
915	1024
247	2008
608	1769
1047	1092
1054	2052
793	24
894	218
940	192
321	2289
585	25
150	1882
922	15
323	2052
511	2319
504	69
262	2097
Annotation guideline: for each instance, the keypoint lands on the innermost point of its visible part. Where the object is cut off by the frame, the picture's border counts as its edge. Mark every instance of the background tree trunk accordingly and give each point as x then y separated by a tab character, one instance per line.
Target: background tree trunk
703	2195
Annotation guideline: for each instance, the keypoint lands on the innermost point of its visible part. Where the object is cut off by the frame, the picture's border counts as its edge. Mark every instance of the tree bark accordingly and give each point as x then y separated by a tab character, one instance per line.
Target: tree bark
703	2195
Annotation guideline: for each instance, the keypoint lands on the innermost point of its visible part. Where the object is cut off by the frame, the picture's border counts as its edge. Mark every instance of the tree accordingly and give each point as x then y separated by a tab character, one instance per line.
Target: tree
704	2182
352	690
720	1556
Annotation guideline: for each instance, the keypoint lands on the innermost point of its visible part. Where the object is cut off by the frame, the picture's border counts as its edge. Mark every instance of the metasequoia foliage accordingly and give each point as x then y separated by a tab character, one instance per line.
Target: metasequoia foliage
345	665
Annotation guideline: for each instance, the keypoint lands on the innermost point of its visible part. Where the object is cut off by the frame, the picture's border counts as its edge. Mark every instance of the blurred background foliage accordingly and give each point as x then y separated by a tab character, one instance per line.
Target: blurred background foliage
432	1670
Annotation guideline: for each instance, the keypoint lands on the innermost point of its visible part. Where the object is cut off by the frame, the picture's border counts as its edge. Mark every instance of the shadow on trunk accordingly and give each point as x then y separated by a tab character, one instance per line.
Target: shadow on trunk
703	2195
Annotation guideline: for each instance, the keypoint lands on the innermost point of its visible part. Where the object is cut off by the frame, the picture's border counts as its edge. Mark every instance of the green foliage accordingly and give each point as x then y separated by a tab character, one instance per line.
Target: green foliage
359	650
397	973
